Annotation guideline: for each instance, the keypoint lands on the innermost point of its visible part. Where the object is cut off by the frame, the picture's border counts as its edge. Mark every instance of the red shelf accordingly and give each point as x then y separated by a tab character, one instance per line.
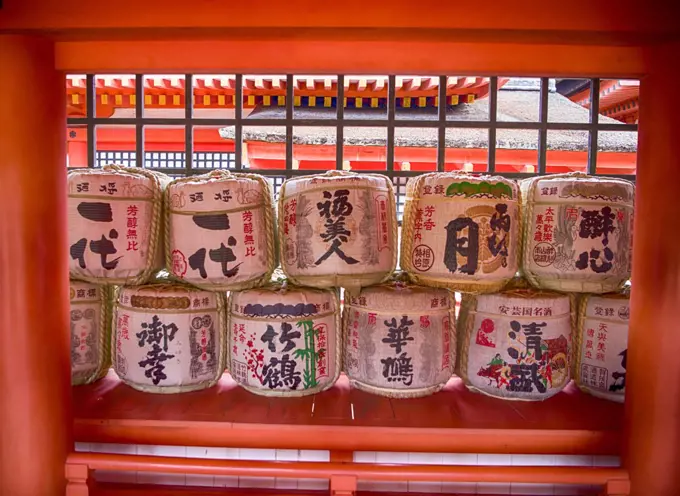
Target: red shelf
454	420
111	489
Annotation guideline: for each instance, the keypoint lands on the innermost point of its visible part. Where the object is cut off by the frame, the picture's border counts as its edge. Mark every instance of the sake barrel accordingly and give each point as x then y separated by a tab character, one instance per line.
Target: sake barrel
516	344
577	232
220	230
602	345
90	332
461	232
114	224
399	339
284	340
169	338
338	229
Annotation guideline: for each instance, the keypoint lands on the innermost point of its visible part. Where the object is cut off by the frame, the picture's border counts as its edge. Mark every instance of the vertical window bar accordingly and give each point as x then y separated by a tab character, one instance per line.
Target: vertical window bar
441	141
238	128
189	126
340	129
543	131
391	110
493	108
139	117
594	120
90	106
289	124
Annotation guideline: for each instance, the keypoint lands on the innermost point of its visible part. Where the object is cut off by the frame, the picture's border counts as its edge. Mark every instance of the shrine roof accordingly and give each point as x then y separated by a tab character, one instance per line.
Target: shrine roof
513	106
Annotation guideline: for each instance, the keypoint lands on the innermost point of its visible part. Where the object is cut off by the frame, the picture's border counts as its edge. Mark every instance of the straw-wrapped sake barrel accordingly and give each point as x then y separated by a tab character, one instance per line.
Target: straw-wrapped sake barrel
516	344
338	229
399	339
284	340
602	345
461	232
168	338
90	332
114	224
577	232
220	230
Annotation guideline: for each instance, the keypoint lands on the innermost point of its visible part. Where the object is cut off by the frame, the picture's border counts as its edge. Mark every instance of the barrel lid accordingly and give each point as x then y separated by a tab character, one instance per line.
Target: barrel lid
279	299
524	302
165	296
402	297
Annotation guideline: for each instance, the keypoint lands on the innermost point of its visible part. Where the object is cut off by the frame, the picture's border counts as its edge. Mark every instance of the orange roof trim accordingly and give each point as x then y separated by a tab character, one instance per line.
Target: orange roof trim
618	99
219	91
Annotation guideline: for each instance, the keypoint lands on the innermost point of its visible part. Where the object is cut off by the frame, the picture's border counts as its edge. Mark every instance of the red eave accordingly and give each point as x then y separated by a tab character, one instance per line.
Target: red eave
218	92
618	99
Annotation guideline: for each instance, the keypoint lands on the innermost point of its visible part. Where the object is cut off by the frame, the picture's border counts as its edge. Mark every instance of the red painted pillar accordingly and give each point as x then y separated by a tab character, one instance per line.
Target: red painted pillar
653	380
35	393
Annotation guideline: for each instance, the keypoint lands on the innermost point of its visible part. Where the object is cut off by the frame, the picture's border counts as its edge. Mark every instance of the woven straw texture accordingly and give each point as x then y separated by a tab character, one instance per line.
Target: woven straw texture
328	239
225	211
284	341
601	345
102	204
498	351
90	332
461	232
577	232
399	339
168	338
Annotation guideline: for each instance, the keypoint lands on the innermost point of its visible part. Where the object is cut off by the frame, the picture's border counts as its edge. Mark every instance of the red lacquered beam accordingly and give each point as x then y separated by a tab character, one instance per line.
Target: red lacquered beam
362	471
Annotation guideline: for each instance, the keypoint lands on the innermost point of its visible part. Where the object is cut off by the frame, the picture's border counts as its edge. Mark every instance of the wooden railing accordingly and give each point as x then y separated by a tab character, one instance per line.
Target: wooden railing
343	477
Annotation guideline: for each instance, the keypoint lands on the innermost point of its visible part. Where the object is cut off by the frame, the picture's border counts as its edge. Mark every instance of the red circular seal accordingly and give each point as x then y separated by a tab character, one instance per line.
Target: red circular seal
422	258
179	263
544	254
487	326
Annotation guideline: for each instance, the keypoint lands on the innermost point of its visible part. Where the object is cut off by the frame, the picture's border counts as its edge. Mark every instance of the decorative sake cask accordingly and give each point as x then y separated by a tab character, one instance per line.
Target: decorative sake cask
516	344
90	332
220	230
338	229
284	340
577	232
168	338
114	224
461	232
399	339
602	345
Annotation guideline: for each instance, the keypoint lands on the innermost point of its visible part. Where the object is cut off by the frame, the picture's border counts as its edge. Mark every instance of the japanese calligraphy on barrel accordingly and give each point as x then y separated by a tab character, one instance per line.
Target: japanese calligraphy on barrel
284	340
516	344
399	339
461	232
577	232
220	230
114	224
602	345
338	229
168	338
90	332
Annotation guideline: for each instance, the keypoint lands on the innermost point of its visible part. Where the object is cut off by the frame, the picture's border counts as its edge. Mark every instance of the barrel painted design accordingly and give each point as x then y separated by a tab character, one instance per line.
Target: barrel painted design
114	224
577	232
338	229
516	344
220	230
461	232
168	338
400	339
90	325
602	345
284	340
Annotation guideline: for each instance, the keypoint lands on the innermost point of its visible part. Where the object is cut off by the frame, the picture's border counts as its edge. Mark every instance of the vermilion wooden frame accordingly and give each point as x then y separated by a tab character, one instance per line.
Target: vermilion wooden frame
527	37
